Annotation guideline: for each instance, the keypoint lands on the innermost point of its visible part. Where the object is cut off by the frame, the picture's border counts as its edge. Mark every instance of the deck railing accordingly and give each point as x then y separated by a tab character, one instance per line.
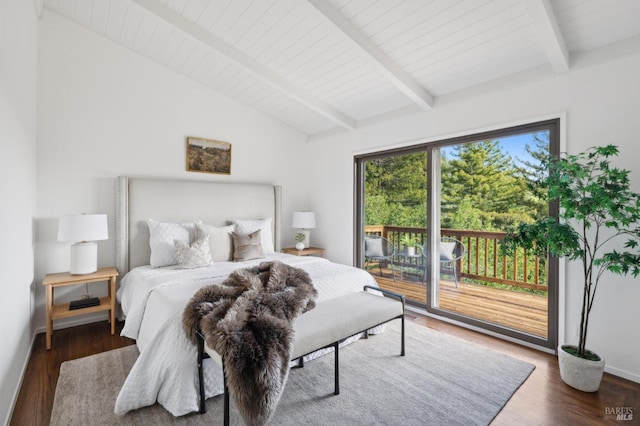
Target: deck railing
481	261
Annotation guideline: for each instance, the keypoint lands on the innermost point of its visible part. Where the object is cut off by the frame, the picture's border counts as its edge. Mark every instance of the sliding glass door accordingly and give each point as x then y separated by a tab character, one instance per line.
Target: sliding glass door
394	201
444	207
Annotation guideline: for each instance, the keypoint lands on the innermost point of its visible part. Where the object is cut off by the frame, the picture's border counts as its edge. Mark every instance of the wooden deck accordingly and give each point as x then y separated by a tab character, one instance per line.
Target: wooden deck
517	310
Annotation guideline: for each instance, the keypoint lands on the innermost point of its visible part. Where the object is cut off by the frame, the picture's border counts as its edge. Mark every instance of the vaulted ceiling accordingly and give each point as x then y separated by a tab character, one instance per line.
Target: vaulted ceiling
325	66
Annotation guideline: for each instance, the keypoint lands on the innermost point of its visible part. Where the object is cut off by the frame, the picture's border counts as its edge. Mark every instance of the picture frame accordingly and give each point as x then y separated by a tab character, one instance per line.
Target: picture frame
208	156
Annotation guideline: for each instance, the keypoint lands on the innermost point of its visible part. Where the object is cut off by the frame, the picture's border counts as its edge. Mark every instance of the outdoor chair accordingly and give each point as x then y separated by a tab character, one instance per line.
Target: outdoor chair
380	250
450	251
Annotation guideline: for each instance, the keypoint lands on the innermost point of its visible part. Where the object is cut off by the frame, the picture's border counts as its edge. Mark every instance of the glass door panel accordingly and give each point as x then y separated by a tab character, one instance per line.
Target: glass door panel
395	206
484	188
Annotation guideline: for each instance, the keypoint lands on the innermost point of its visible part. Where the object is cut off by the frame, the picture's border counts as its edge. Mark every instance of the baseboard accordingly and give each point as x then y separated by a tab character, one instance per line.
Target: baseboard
22	373
622	373
611	370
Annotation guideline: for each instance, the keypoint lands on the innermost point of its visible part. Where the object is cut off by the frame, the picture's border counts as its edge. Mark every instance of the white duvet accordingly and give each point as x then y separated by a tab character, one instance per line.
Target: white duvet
153	300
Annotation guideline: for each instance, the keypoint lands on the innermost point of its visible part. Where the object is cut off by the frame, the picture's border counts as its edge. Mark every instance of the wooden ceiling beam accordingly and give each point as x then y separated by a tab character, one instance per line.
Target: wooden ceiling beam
246	62
544	19
388	68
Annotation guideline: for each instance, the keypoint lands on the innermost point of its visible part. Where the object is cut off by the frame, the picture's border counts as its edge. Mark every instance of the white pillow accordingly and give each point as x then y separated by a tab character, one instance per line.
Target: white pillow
161	240
194	255
446	251
220	241
373	247
244	226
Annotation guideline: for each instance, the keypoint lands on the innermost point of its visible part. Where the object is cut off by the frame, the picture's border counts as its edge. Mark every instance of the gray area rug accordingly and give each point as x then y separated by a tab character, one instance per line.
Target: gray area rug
442	380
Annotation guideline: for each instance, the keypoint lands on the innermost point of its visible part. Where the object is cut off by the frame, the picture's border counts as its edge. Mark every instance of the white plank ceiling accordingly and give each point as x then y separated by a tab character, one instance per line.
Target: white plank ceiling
326	65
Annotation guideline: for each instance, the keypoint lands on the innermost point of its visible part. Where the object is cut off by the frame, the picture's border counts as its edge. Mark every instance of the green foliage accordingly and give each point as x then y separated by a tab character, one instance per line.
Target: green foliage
466	216
409	240
377	209
497	221
396	190
482	173
597	208
482	188
533	172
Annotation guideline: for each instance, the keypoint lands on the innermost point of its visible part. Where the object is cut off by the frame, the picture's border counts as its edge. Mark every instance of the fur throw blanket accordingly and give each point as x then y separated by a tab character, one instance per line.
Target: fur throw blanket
248	320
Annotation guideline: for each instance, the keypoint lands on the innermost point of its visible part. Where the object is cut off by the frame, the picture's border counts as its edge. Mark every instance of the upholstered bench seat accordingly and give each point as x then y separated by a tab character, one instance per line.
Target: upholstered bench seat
328	324
337	319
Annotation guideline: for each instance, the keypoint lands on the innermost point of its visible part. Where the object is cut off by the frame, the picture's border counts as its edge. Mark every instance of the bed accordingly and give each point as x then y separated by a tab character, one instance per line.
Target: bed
152	299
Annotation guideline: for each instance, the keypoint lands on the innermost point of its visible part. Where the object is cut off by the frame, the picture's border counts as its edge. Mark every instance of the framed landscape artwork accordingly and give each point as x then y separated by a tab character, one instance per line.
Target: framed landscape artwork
208	156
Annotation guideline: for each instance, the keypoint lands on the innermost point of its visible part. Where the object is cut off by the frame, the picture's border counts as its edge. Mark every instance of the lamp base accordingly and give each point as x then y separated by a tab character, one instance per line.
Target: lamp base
84	258
306	237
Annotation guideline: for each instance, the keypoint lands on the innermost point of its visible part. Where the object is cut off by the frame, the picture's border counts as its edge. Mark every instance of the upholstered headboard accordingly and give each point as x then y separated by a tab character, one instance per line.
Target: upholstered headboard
138	199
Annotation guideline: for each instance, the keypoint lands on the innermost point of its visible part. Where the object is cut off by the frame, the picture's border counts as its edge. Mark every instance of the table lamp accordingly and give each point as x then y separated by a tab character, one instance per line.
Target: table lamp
303	221
84	230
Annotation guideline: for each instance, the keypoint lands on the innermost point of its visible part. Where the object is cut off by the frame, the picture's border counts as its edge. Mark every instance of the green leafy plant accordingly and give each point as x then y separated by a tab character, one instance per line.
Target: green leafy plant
409	240
299	237
597	208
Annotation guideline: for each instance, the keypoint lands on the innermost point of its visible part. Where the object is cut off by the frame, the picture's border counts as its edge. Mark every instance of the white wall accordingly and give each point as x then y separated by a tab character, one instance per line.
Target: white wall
18	31
601	108
105	111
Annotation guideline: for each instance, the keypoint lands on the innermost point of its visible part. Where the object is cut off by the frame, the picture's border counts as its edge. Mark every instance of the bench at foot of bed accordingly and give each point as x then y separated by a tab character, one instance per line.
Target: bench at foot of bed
327	325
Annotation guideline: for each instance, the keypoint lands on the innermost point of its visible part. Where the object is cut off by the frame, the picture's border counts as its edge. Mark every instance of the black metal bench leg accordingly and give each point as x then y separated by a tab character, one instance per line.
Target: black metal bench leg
402	337
226	397
203	408
336	390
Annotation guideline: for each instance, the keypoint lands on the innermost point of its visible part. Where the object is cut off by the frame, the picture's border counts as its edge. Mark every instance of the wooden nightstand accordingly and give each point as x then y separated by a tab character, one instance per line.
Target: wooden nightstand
107	303
309	251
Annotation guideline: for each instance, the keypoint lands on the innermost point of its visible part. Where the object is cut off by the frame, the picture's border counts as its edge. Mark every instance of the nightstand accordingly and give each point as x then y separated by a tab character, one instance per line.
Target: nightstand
309	251
62	310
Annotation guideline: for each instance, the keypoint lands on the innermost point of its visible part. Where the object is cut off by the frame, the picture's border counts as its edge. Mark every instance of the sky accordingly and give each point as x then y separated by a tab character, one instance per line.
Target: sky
514	146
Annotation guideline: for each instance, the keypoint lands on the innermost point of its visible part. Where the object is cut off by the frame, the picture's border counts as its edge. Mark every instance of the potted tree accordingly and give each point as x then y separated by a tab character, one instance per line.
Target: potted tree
597	209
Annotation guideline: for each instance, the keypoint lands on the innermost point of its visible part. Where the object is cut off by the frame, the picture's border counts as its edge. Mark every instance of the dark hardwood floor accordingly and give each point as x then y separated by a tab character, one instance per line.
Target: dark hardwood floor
35	399
542	400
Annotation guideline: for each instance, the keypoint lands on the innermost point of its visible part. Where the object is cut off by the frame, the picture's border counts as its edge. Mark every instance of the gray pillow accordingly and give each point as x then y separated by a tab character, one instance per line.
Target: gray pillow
247	246
446	251
373	247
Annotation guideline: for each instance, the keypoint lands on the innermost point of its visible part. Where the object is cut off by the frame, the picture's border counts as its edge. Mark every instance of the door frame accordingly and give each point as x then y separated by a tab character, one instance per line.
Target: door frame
553	308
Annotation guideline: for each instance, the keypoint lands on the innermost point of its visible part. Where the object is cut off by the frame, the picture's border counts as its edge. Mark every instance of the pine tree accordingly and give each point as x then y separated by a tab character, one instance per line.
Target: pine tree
483	174
534	172
398	183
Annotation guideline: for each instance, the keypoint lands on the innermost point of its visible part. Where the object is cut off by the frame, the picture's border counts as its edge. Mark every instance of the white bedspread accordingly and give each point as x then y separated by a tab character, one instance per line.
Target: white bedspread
153	300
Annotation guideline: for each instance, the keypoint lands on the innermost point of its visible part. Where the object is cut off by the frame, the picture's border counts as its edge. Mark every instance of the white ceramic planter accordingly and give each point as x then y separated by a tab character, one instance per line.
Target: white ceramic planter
580	373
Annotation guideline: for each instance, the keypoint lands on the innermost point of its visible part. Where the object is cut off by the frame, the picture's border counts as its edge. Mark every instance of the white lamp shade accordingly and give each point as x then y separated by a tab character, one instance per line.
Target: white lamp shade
83	227
303	220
